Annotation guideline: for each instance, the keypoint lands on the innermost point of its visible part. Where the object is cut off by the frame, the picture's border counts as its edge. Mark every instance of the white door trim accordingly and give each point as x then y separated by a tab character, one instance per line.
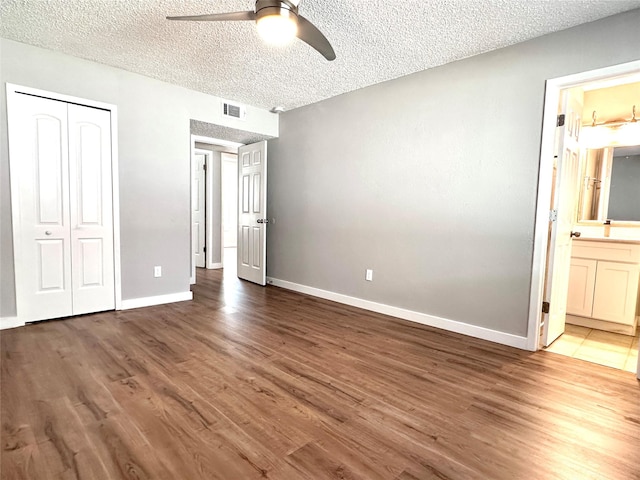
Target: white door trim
552	96
13	89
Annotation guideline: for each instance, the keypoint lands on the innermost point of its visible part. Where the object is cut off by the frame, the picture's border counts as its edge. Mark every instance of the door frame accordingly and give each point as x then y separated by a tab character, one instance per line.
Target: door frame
12	90
545	180
209	213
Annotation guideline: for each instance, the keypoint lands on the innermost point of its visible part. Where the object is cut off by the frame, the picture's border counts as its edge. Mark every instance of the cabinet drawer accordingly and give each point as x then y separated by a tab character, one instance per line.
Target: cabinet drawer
609	251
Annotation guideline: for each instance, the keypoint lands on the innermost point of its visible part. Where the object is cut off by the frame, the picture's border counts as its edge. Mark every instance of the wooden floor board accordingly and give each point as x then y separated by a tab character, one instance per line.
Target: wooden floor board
246	382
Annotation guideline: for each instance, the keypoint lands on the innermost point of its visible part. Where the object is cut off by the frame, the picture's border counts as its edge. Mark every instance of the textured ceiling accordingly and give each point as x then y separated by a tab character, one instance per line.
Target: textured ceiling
220	131
375	40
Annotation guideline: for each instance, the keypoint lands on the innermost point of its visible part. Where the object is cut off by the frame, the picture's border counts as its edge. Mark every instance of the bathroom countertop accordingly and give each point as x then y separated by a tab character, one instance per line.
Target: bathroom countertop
607	239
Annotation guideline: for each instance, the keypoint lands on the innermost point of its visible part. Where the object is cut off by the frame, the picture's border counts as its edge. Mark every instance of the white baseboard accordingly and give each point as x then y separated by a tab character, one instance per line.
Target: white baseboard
10	322
213	266
430	320
157	300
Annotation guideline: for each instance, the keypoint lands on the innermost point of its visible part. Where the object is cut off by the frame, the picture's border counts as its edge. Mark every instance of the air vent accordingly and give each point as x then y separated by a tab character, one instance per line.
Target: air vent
234	110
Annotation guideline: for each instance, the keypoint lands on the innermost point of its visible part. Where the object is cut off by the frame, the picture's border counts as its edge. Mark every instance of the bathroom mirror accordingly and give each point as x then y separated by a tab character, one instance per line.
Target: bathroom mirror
610	185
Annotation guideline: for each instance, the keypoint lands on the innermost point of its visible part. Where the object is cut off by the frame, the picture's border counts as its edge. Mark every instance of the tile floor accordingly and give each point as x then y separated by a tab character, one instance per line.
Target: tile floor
605	348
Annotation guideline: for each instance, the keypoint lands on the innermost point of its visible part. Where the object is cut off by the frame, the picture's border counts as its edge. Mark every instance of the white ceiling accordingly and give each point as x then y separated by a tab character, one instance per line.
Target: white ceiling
375	40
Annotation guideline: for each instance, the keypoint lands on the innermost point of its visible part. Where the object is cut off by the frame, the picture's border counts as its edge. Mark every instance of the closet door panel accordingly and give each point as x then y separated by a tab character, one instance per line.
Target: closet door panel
91	209
38	152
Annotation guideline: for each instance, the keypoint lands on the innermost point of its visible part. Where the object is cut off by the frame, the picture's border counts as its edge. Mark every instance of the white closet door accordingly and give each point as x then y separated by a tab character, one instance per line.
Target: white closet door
91	207
38	149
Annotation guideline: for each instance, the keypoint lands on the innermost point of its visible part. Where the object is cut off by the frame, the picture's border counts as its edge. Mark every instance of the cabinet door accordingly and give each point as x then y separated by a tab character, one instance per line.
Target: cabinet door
582	279
616	292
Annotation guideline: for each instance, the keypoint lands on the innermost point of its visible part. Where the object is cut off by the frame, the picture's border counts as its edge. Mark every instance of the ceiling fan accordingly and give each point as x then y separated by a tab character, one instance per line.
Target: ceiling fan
278	21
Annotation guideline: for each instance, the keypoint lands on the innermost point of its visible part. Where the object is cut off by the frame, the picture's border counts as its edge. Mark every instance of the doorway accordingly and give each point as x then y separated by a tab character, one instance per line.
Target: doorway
581	340
208	201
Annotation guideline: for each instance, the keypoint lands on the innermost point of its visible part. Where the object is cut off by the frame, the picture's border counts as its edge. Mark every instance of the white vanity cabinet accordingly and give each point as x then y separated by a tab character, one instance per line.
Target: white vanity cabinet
603	285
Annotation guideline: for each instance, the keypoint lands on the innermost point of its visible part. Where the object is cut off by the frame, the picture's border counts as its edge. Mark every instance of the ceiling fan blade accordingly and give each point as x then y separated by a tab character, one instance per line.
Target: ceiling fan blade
217	17
308	33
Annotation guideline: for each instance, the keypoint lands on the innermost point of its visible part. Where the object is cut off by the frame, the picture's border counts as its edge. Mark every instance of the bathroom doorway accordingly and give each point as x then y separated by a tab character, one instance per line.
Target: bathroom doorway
581	336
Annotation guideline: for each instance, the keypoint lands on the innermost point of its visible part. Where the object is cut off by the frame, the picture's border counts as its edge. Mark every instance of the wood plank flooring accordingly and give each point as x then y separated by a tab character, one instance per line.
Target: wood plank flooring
247	382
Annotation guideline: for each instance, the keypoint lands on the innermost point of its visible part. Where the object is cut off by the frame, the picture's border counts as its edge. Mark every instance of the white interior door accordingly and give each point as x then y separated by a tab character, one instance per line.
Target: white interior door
252	212
198	211
91	208
62	207
564	204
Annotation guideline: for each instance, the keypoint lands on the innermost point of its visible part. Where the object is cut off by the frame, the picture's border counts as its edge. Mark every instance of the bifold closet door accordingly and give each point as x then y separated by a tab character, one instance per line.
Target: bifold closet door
38	142
91	210
60	167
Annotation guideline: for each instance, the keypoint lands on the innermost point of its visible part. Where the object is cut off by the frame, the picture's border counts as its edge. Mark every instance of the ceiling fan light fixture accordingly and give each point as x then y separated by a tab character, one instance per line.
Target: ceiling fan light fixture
277	26
277	22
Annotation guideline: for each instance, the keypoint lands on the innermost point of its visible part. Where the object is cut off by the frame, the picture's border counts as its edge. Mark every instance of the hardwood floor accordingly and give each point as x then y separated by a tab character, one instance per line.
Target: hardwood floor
248	382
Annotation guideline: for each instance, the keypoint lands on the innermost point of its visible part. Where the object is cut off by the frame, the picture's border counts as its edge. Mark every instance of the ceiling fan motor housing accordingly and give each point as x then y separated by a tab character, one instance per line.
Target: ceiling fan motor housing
283	8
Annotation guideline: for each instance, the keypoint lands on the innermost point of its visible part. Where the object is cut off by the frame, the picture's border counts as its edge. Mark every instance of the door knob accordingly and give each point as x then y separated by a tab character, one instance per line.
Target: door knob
575	234
263	220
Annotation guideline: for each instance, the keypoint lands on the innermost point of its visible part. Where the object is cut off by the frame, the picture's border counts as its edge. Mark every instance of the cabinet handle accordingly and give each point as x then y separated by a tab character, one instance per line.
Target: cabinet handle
575	234
48	232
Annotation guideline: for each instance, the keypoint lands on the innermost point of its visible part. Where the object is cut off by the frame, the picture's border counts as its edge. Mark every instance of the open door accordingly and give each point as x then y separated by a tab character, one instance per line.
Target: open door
198	210
252	212
563	214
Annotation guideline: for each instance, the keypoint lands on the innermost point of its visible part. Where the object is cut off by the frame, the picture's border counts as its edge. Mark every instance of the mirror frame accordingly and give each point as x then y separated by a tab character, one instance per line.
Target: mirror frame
578	213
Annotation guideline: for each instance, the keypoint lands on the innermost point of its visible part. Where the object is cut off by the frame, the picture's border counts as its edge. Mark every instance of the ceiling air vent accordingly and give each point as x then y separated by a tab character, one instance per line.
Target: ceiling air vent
234	110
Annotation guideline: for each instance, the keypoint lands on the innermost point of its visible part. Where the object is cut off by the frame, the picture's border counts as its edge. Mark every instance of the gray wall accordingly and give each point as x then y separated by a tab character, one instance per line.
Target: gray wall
624	197
430	180
154	149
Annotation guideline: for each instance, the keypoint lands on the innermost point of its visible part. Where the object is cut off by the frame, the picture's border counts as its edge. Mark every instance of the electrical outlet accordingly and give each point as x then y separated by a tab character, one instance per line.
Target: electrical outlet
157	271
369	275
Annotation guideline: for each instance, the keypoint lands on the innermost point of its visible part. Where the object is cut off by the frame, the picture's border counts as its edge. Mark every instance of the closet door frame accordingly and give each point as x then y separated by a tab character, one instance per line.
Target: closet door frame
12	92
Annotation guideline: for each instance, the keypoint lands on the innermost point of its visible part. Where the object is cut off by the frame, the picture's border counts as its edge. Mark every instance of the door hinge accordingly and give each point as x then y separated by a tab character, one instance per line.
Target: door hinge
204	167
545	307
553	215
560	121
204	249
